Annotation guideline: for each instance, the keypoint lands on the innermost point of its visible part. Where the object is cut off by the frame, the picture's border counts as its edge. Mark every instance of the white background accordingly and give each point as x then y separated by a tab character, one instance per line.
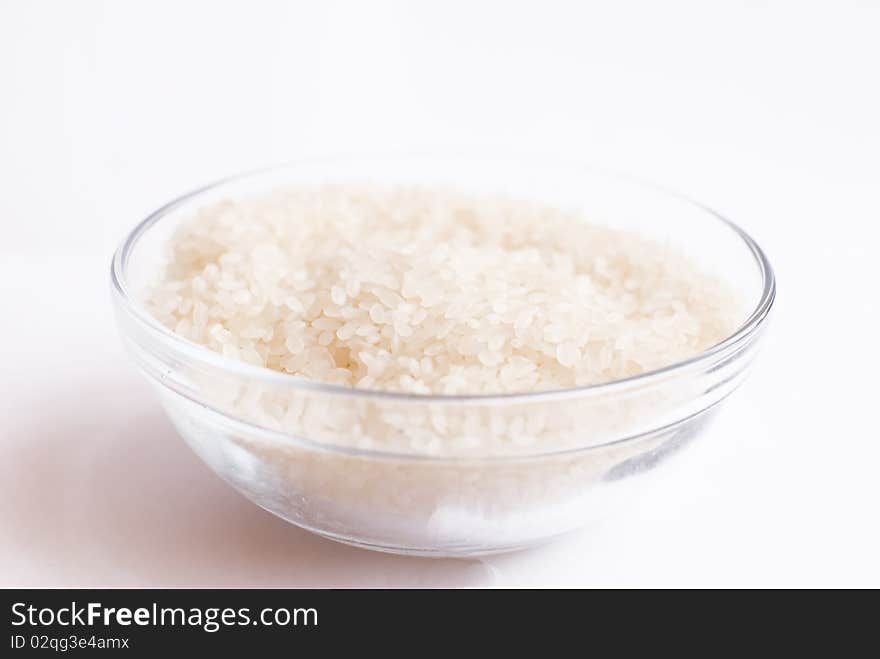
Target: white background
767	111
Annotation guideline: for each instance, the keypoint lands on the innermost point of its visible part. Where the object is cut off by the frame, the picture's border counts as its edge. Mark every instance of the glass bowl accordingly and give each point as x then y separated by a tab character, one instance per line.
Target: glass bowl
446	475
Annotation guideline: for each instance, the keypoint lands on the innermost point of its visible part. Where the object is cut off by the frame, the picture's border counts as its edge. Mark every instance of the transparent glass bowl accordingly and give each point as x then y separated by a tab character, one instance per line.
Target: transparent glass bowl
446	475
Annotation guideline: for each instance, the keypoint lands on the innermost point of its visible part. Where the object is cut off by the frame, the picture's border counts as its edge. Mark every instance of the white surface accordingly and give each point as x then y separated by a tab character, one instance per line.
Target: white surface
767	111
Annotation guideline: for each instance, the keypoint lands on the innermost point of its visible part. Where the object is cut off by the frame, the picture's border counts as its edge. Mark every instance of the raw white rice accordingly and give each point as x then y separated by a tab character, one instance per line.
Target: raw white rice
433	291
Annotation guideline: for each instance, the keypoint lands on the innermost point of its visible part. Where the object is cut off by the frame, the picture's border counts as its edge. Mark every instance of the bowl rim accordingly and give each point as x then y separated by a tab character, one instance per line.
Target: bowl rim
199	353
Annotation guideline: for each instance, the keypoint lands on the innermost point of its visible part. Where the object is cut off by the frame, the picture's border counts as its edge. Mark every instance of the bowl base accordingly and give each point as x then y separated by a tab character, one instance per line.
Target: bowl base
422	552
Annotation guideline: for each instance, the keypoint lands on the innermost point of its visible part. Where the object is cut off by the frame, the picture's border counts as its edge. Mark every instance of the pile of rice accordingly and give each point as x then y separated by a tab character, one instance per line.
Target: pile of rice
426	290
